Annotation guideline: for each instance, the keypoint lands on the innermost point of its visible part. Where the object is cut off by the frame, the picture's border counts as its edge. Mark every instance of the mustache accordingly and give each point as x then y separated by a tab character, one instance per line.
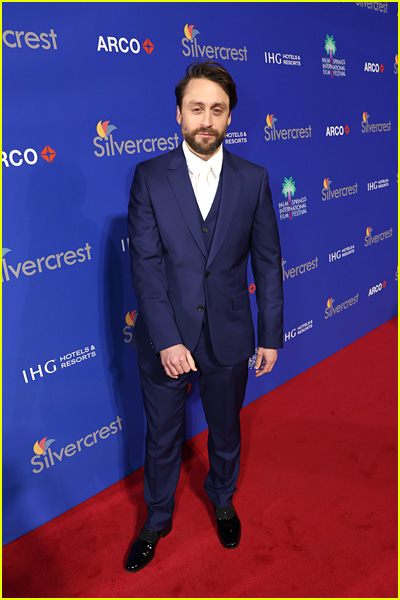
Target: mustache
202	130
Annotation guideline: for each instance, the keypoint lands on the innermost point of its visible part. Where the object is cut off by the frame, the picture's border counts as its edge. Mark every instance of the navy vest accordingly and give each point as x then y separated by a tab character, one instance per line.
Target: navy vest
208	225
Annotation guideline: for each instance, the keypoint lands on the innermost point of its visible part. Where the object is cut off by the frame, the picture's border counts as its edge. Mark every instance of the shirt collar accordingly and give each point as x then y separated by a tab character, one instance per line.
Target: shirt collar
196	164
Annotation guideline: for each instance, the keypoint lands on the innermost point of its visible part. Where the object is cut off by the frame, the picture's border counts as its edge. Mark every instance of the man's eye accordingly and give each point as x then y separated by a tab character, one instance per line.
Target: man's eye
218	111
196	110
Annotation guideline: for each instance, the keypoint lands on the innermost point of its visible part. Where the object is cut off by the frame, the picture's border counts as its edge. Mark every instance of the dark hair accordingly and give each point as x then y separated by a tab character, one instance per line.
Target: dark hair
213	71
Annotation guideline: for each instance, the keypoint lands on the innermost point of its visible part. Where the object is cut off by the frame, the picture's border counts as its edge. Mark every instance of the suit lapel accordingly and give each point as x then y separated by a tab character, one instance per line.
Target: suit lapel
183	191
229	200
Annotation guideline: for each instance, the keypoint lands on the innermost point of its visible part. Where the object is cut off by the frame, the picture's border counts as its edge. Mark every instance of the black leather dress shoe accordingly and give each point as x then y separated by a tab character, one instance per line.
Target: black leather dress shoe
228	526
144	549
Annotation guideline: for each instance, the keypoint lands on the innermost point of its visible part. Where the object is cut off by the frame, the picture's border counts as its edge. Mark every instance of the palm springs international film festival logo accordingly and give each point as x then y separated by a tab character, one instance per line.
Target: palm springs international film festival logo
328	192
192	48
332	66
292	207
367	127
273	133
107	146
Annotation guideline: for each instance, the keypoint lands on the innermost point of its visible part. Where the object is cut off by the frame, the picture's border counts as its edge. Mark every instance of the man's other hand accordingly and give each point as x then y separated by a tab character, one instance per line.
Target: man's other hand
266	358
177	360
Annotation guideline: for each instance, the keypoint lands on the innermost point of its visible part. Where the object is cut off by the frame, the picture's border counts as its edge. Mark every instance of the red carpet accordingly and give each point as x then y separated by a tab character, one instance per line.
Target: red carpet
317	500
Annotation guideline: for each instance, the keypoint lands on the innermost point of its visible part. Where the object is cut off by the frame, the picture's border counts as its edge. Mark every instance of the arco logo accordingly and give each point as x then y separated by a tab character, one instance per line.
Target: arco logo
48	154
41	447
190	33
29	156
104	129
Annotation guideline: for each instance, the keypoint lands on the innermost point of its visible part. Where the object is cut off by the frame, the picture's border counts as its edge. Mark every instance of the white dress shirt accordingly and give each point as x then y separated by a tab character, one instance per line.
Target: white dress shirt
204	175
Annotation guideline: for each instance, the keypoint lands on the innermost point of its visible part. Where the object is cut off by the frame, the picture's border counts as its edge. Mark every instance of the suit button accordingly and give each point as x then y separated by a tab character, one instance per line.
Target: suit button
208	273
200	308
205	229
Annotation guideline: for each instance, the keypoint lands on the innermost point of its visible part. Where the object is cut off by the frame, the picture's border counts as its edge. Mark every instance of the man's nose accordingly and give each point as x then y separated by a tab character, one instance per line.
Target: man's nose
206	120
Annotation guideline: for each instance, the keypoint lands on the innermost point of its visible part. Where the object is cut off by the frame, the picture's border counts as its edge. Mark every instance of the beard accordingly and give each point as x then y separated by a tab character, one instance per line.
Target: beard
204	146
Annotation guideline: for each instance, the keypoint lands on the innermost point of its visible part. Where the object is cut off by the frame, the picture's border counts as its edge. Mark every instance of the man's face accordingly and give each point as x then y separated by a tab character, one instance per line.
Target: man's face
204	117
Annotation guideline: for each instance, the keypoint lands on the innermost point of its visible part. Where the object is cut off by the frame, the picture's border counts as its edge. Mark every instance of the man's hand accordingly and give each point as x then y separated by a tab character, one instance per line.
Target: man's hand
266	358
177	360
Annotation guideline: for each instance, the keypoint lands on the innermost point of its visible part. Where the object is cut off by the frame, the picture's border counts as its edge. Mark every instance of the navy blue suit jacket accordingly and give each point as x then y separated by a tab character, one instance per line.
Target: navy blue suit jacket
169	259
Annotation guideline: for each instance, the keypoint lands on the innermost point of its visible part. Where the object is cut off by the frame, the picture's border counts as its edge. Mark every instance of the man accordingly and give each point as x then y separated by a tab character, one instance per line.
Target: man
195	213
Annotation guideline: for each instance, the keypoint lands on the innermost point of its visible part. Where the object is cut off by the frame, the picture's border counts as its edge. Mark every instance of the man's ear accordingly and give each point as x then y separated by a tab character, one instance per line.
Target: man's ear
178	115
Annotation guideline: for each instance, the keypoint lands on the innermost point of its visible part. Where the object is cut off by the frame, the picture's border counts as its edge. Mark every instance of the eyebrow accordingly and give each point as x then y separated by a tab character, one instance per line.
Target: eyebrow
221	104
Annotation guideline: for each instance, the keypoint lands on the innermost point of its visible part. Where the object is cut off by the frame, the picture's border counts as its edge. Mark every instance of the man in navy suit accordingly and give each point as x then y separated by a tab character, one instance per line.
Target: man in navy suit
195	215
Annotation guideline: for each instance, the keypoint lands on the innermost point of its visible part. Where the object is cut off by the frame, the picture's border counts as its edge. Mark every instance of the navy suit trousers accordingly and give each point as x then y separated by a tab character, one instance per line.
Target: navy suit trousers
222	390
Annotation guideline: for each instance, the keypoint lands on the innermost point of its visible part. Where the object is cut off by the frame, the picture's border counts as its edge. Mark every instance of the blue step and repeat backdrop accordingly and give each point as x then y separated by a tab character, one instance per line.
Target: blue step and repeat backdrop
88	92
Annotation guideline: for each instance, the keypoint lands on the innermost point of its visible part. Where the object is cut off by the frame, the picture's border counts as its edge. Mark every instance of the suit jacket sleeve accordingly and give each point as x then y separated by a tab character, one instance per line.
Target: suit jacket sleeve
266	264
149	277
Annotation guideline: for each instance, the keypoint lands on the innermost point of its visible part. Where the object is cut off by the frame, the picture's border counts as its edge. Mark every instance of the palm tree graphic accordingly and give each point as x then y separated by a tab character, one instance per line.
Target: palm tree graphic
330	47
288	188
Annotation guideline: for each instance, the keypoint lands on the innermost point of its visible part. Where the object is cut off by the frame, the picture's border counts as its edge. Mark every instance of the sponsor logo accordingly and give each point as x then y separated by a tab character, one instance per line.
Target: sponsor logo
328	193
22	39
130	320
273	133
332	66
293	207
252	288
377	6
279	58
367	127
107	146
236	137
16	158
331	310
68	360
335	130
50	262
48	154
122	44
296	331
192	48
370	239
311	265
47	458
395	64
376	288
42	446
377	185
373	67
339	254
104	129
